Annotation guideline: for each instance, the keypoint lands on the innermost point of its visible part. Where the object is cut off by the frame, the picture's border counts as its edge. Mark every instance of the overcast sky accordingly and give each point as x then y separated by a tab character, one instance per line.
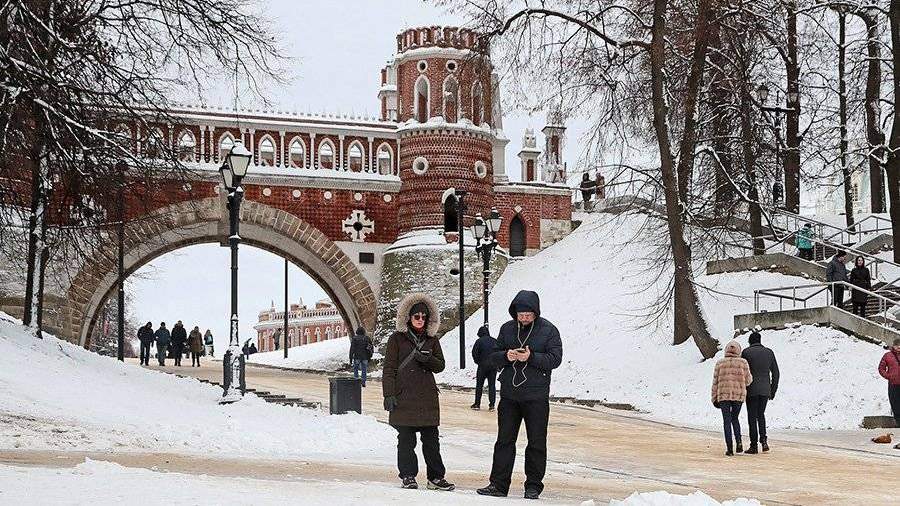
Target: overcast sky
337	51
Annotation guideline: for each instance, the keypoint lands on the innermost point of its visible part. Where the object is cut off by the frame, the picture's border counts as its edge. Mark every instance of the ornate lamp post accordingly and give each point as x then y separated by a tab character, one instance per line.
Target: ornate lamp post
762	96
233	170
485	232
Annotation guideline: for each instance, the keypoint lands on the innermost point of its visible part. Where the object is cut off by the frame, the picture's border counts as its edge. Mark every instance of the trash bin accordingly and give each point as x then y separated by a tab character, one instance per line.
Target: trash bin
345	395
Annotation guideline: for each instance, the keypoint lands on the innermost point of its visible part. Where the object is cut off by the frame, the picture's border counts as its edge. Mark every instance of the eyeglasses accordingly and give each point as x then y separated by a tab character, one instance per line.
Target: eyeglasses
418	316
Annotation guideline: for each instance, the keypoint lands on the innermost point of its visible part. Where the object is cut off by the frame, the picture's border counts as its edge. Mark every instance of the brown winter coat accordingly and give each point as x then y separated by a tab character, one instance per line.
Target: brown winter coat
732	376
195	341
413	386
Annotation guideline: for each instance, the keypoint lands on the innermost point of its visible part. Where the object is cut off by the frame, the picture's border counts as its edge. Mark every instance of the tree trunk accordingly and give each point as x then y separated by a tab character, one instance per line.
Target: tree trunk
874	134
687	304
792	140
749	160
893	161
842	115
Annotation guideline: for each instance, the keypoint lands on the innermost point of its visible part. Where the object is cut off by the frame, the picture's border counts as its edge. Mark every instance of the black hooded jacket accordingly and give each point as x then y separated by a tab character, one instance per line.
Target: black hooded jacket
360	346
529	380
483	347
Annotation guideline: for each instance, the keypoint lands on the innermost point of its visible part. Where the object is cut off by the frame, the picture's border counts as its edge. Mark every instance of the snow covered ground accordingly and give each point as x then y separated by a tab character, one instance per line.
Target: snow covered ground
100	483
54	395
328	355
593	285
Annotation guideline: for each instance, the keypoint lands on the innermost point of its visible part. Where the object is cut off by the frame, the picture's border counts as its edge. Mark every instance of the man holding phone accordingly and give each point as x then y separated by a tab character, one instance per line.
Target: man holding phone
528	349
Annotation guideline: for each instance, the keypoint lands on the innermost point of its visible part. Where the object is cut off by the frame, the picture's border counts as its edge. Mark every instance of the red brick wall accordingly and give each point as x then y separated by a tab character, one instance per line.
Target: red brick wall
534	208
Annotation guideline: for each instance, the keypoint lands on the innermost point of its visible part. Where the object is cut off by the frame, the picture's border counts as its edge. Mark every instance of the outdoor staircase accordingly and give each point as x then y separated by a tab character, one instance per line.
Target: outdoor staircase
266	396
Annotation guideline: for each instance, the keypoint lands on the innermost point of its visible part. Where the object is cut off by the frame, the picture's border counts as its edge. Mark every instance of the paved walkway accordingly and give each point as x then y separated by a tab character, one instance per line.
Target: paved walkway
594	453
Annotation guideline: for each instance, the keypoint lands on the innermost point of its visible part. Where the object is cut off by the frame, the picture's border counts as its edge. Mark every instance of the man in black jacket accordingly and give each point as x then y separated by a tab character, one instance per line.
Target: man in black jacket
145	336
764	369
481	352
361	350
528	349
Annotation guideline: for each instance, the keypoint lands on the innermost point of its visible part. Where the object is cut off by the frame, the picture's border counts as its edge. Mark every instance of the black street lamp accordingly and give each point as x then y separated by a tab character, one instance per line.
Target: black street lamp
233	170
762	95
485	232
461	228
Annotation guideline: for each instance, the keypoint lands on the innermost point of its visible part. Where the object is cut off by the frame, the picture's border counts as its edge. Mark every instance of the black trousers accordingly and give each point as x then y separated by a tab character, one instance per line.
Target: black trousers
894	398
408	464
731	422
510	414
145	353
837	295
176	354
859	308
806	253
195	359
490	375
756	418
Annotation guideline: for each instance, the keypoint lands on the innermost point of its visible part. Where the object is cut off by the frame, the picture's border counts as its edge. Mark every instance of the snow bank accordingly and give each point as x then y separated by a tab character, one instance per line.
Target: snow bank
593	286
328	355
666	499
57	395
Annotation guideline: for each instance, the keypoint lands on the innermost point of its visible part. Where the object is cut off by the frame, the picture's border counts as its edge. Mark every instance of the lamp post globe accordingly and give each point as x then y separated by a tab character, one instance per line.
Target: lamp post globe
227	176
494	221
238	159
479	228
762	93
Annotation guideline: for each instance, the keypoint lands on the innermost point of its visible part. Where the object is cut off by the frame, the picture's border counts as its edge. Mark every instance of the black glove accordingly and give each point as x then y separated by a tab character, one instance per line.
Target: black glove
772	397
716	404
390	403
422	357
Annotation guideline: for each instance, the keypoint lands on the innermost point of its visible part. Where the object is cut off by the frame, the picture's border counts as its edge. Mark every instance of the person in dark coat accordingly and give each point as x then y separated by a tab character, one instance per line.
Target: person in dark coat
837	271
587	189
528	349
252	349
764	369
179	339
145	336
361	351
487	371
195	344
860	277
411	358
162	342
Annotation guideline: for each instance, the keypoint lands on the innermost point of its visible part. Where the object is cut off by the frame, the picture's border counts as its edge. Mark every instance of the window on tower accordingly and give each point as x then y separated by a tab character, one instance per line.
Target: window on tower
422	94
225	145
477	104
326	155
267	152
356	157
298	154
385	160
451	100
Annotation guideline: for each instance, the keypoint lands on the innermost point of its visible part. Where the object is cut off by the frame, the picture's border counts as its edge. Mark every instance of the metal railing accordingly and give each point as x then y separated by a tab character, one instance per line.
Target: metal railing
854	233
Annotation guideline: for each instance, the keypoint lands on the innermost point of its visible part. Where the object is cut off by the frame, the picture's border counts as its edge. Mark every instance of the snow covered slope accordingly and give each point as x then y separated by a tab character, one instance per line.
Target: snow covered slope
57	395
328	355
593	286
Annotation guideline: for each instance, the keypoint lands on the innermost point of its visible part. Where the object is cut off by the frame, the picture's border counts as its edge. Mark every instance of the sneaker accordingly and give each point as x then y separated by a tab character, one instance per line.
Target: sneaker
752	450
410	482
765	446
440	484
532	494
491	490
476	407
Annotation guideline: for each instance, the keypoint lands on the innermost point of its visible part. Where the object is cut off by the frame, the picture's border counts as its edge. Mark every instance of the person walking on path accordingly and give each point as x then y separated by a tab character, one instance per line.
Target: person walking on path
195	343
837	271
764	370
729	390
587	190
361	351
860	277
145	336
208	343
412	356
179	338
804	242
487	371
162	343
528	349
889	369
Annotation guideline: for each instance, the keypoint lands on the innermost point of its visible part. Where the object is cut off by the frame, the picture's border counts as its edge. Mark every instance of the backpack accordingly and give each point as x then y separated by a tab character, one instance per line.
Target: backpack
370	348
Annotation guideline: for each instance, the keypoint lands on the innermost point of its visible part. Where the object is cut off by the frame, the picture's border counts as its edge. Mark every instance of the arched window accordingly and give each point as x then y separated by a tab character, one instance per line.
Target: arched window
155	144
326	155
422	99
297	153
477	104
318	334
306	336
451	100
516	237
123	136
450	217
186	144
385	160
355	155
226	142
267	152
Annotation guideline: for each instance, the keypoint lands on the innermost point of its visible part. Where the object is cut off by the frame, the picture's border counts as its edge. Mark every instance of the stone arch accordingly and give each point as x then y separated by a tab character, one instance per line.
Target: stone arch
204	221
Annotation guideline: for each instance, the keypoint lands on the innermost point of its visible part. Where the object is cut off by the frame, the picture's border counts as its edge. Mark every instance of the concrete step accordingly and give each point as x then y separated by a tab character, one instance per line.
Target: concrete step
862	328
879	422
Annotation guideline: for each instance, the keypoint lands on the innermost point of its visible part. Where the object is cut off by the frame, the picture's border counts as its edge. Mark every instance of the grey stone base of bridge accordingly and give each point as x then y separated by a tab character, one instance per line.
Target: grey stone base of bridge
781	262
832	316
879	422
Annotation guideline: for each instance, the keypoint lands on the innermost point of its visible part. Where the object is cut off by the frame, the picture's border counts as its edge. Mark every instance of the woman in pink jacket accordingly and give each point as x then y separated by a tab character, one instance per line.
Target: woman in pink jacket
889	369
729	390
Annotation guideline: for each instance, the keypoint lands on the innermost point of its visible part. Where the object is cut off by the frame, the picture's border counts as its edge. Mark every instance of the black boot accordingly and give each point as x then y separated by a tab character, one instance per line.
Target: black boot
491	490
729	452
752	450
765	446
476	407
739	448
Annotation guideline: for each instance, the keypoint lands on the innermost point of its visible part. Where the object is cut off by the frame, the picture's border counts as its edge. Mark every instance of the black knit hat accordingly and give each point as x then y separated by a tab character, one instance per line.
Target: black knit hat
755	337
483	331
420	307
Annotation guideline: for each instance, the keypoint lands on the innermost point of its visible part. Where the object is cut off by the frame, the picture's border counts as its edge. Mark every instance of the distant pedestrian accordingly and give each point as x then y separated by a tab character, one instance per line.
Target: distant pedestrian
764	370
252	349
361	351
208	343
195	344
411	358
246	348
528	349
889	368
804	242
145	336
600	186
587	190
860	277
162	342
179	339
487	371
836	272
729	390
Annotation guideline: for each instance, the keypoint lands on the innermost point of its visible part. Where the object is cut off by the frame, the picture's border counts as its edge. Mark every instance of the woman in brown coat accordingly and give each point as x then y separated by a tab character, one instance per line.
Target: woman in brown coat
195	344
412	356
729	390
